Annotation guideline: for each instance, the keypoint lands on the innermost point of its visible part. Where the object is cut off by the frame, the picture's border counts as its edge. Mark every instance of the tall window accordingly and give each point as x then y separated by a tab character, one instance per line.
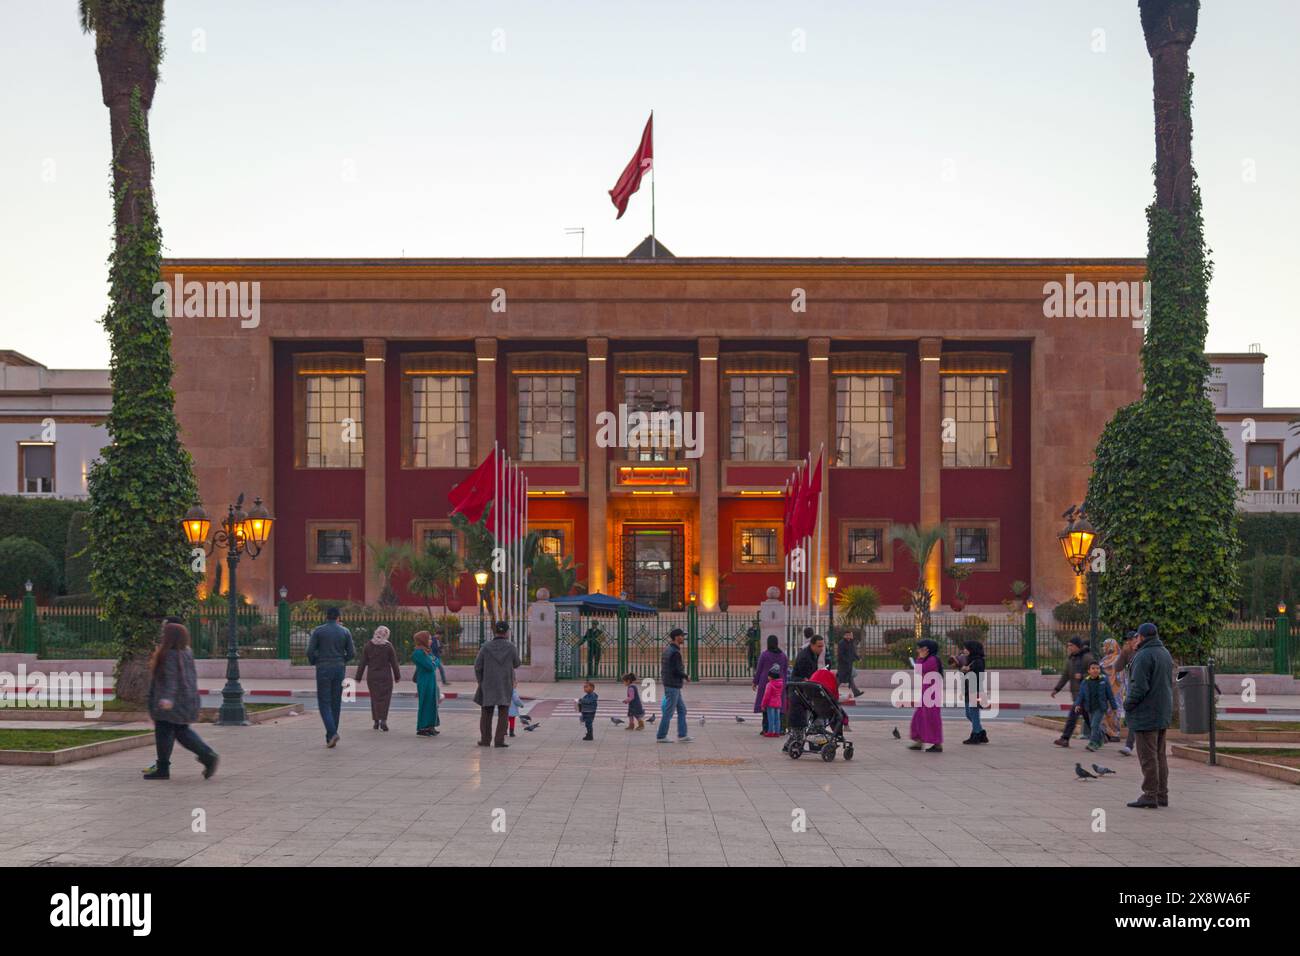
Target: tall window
760	426
1262	466
37	462
440	421
660	398
972	412
329	411
864	421
548	413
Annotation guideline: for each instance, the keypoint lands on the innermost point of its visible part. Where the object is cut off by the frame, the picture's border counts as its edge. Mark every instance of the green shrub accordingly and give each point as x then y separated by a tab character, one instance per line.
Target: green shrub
22	560
1265	580
1071	612
898	641
44	520
1272	532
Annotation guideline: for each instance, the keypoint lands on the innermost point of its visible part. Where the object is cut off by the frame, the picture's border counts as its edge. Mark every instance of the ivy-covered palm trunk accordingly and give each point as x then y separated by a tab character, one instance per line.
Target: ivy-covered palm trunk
1163	489
144	481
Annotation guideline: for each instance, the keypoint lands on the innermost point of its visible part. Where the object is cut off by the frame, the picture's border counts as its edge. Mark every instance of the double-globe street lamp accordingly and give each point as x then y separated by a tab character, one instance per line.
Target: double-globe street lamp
1076	541
238	534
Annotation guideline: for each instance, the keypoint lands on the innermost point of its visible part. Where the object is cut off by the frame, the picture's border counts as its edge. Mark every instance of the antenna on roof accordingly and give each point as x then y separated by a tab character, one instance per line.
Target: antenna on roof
1255	348
581	233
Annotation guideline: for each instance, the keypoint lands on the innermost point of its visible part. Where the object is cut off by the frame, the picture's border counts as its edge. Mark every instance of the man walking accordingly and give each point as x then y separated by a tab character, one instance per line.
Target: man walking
1149	709
329	650
672	672
494	669
805	665
1078	657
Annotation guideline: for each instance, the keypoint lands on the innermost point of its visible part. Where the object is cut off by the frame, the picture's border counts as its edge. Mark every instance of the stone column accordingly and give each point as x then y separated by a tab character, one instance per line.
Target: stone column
930	455
541	639
709	468
485	399
374	435
820	438
597	466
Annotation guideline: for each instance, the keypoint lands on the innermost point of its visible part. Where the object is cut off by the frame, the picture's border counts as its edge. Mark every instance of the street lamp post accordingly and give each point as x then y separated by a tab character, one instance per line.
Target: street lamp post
238	534
1076	542
831	581
480	579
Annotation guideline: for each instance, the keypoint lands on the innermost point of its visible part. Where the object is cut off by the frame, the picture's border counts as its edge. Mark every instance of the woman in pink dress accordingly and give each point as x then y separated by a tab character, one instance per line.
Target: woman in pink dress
927	718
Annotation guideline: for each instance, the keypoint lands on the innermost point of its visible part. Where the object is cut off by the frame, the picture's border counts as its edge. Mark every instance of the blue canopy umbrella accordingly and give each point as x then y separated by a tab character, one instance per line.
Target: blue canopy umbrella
601	604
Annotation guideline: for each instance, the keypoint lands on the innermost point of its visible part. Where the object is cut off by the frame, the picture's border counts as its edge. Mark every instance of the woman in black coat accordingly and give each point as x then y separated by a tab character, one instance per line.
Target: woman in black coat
845	655
174	703
971	665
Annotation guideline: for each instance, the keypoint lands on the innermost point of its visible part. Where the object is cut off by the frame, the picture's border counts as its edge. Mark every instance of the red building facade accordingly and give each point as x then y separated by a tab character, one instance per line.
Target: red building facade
939	390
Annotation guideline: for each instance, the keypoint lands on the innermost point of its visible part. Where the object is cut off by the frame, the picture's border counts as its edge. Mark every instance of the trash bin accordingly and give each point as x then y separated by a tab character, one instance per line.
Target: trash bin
1194	699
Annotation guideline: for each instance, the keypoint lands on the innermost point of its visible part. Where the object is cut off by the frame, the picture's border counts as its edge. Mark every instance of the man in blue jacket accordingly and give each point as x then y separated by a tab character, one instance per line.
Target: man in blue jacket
672	671
1149	709
329	651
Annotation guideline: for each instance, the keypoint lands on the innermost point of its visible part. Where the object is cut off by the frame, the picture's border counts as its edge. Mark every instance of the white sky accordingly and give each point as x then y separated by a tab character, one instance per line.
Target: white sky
906	128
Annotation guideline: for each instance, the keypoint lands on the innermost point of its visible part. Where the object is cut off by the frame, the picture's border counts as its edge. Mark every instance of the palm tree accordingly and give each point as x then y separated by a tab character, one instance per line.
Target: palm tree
386	559
435	574
143	482
919	542
1295	452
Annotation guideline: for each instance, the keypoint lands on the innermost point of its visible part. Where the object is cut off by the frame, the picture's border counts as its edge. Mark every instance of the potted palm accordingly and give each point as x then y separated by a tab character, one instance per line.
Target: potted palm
919	542
959	573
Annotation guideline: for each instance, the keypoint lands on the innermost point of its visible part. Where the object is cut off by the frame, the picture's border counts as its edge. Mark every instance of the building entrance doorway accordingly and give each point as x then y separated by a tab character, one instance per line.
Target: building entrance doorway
654	572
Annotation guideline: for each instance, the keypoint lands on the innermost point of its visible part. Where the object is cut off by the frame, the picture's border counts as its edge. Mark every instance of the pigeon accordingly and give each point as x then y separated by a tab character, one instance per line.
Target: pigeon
533	726
897	735
701	721
740	720
1102	771
650	719
615	721
1083	774
525	719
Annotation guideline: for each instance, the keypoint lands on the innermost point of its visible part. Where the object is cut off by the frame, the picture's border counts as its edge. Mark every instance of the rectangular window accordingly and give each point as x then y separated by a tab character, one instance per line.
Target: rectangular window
1262	466
440	421
973	433
332	546
37	464
551	541
427	532
329	406
864	420
973	543
659	397
865	545
757	546
548	417
760	417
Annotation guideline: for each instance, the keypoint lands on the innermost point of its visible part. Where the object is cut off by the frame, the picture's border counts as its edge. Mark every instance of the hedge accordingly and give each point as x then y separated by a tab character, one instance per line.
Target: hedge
23	560
44	520
1265	580
1269	532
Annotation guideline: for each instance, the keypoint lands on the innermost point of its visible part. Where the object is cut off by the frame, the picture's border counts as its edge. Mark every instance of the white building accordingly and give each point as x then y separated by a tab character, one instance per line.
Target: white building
51	426
1261	438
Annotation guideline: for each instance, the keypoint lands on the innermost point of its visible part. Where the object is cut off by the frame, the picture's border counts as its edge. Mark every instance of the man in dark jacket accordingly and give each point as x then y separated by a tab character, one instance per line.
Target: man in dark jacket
1078	657
329	650
494	670
1149	709
805	665
672	672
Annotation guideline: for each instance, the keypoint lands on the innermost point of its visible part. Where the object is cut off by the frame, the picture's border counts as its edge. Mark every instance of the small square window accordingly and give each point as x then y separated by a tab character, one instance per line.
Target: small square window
333	546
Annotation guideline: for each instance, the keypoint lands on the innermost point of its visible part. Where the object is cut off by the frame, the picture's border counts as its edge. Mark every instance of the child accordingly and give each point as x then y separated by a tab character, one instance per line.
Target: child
635	709
773	693
1095	698
516	704
587	708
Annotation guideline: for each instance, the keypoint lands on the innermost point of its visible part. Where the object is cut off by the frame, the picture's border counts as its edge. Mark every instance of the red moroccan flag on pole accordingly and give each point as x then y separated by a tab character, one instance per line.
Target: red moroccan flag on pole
812	500
472	495
642	161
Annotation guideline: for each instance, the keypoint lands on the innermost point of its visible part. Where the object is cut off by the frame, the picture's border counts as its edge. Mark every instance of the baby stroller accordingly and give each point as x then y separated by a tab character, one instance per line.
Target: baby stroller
824	732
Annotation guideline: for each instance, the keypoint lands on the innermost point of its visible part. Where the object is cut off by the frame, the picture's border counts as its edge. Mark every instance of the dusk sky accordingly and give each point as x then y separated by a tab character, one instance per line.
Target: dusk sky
918	128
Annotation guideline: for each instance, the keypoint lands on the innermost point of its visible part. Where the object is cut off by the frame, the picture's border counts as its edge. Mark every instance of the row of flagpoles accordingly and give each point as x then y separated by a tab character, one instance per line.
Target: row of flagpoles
499	487
801	523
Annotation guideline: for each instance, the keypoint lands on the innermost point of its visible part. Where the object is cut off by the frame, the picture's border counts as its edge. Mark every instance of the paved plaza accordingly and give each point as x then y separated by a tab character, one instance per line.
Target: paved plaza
727	798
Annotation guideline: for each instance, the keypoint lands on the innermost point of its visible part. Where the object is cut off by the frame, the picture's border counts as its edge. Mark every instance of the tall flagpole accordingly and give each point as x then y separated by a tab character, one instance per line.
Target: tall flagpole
496	523
653	250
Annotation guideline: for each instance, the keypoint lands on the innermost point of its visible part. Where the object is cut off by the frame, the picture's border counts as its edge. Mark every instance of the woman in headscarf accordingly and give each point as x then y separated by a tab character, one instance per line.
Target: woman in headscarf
972	667
380	669
1112	669
927	717
772	657
426	686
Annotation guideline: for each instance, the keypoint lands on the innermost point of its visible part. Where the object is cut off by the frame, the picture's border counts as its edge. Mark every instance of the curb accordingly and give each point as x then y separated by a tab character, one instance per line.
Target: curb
1238	762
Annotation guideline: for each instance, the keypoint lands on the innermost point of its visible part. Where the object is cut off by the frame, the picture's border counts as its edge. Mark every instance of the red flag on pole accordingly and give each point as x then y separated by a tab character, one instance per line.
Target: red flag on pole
630	181
473	494
811	501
